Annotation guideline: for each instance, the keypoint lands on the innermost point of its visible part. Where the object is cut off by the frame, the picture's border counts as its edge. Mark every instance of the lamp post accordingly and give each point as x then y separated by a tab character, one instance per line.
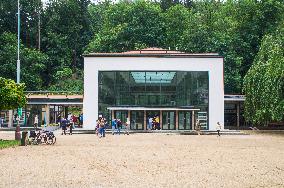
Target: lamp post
18	60
17	132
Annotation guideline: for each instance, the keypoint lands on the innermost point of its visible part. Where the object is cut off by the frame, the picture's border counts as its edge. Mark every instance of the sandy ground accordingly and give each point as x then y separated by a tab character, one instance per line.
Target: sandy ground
146	160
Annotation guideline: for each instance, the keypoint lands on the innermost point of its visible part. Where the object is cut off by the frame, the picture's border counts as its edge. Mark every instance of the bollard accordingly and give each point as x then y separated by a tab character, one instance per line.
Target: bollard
18	133
24	140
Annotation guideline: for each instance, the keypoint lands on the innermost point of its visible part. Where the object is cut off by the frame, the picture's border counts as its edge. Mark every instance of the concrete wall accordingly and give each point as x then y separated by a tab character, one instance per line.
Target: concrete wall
92	65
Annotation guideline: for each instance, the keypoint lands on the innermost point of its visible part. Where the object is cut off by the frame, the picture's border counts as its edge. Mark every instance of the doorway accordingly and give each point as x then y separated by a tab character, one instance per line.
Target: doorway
184	120
169	120
137	120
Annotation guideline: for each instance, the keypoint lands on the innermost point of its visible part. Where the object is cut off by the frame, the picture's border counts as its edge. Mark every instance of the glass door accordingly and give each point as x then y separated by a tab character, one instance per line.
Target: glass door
137	120
184	120
169	120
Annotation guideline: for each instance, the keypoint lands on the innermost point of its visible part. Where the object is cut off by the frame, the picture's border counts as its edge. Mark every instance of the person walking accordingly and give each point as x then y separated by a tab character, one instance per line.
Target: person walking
113	126
102	127
36	122
218	128
71	124
81	120
127	126
119	126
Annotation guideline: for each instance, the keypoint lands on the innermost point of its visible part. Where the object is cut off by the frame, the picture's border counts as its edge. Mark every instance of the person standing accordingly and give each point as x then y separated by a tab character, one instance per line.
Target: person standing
127	126
119	126
218	128
58	121
71	127
150	123
81	120
36	122
63	126
102	127
74	119
158	122
1	122
198	126
113	126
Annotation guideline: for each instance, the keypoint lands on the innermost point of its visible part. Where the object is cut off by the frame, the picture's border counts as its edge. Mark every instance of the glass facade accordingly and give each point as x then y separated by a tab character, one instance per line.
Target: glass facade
180	89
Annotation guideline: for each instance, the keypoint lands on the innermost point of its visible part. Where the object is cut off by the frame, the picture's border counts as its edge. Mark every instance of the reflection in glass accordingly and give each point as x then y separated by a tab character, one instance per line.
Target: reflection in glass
182	89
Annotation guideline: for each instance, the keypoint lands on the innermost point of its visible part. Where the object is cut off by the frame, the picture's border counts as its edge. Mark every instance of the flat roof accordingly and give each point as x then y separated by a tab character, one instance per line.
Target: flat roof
155	52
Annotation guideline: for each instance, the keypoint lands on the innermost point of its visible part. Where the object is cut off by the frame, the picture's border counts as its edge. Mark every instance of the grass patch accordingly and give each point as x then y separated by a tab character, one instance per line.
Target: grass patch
8	143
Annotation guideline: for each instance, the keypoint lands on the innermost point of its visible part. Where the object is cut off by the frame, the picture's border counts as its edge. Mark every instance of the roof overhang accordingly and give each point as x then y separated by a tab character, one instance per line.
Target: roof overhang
153	109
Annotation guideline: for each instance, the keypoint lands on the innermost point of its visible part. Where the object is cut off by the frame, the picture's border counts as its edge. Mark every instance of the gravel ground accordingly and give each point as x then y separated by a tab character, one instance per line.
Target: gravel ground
146	160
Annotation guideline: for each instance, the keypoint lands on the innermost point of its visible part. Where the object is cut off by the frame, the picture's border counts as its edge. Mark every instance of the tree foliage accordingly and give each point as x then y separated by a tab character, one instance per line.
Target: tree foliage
234	29
11	94
32	62
127	26
264	82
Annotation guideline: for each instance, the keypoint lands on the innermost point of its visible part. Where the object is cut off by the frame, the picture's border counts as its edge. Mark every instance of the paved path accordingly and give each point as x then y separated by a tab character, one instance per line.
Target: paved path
147	160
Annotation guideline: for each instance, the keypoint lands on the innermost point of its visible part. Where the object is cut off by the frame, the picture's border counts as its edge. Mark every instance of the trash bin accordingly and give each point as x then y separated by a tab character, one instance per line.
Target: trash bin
24	140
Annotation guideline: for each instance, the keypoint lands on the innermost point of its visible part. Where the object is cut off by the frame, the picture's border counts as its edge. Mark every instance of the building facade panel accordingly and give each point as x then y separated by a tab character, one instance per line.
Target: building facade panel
94	65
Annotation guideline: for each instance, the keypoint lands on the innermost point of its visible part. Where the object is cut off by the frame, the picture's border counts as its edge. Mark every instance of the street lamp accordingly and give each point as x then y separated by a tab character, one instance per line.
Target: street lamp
18	60
17	132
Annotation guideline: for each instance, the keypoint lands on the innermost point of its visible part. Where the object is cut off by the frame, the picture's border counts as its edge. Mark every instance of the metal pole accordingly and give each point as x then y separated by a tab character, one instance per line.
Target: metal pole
38	29
18	61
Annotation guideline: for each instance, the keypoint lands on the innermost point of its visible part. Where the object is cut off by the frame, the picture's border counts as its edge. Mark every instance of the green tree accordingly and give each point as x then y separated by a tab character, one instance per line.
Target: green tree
264	82
176	20
11	94
32	62
65	81
69	20
67	29
29	14
127	26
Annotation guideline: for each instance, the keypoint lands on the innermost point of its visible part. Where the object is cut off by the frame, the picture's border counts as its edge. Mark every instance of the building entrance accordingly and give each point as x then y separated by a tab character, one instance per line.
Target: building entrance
143	118
184	120
169	120
137	120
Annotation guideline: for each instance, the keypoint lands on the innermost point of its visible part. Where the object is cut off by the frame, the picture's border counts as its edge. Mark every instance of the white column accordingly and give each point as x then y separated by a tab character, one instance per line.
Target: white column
47	114
10	120
192	120
90	107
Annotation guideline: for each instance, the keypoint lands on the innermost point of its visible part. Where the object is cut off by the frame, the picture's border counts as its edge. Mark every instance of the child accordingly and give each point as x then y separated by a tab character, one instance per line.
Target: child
218	128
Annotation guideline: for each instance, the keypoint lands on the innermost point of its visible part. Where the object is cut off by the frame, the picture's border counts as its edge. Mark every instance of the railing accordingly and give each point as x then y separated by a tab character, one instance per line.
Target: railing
53	93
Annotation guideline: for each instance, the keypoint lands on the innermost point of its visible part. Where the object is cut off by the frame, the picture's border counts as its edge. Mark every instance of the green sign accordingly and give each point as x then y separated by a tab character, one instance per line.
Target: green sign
20	112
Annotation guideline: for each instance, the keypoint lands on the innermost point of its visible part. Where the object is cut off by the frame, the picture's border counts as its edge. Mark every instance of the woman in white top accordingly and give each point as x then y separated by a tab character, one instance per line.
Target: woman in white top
127	126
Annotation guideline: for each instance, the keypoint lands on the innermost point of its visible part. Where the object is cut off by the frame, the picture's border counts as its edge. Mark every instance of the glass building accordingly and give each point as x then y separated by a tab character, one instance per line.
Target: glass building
172	88
181	90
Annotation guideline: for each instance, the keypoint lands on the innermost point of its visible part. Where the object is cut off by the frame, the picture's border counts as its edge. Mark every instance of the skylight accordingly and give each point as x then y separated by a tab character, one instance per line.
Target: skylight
153	77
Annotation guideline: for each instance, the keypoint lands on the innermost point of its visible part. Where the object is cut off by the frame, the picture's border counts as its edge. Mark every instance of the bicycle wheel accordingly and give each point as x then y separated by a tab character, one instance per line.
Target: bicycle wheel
54	140
51	140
